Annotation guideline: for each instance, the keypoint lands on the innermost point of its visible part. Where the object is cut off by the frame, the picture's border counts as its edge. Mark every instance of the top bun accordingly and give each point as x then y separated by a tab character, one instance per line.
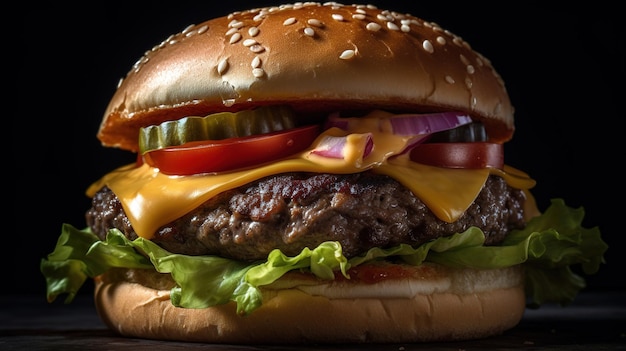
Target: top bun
314	57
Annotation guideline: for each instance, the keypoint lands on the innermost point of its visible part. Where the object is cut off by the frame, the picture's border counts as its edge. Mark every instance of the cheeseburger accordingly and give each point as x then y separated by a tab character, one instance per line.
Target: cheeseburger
319	173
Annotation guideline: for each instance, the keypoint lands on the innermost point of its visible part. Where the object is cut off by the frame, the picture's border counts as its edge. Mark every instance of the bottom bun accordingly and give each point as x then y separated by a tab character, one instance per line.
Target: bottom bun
452	304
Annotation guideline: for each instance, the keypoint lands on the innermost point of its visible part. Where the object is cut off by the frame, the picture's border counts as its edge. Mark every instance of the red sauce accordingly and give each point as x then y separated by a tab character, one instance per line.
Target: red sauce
374	273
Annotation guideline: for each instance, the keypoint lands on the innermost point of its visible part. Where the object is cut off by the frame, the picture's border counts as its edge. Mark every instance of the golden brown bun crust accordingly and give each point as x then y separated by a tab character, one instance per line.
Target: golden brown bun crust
293	55
294	316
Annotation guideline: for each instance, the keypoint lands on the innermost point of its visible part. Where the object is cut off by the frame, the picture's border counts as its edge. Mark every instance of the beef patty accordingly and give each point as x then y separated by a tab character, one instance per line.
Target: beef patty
296	210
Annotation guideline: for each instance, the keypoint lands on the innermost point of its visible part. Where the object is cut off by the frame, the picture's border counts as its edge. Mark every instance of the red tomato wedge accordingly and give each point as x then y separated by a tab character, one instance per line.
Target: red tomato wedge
459	155
209	156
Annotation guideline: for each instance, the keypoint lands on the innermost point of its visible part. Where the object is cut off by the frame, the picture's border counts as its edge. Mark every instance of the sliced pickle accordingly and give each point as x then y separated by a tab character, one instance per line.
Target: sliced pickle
467	133
216	126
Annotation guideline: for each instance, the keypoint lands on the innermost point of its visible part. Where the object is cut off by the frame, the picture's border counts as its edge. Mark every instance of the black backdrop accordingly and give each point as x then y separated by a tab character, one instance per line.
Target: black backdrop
564	70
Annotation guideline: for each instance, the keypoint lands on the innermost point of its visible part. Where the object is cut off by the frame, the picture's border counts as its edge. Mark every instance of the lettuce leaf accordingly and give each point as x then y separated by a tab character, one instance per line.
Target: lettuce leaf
547	248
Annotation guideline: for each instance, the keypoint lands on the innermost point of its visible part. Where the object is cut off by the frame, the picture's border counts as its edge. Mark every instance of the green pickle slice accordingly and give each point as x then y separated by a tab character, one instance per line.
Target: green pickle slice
222	125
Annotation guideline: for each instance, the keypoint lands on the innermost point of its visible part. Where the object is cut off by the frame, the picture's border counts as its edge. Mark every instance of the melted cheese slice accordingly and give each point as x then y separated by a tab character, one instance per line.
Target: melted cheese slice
152	199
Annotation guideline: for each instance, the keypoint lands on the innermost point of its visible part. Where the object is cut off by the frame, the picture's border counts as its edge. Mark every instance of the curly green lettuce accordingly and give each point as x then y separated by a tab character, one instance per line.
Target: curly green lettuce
548	248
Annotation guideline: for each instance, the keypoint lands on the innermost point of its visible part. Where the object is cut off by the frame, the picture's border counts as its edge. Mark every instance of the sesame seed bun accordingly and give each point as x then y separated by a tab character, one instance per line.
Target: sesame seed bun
311	56
437	304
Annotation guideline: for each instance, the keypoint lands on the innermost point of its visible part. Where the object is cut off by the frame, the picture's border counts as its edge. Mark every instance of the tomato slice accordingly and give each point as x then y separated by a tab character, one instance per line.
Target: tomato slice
228	154
460	155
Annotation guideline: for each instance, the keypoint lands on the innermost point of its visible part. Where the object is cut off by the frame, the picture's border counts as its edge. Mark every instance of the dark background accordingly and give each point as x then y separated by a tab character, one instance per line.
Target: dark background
564	69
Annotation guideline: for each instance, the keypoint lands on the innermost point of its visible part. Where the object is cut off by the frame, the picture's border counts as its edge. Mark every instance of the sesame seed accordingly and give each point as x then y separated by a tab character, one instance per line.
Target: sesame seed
450	80
249	42
187	29
464	59
257	48
256	62
235	38
203	29
308	31
337	17
470	69
361	11
170	38
358	16
222	66
441	40
231	31
426	44
392	26
468	83
253	31
315	22
258	72
405	28
235	24
289	21
347	54
373	26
